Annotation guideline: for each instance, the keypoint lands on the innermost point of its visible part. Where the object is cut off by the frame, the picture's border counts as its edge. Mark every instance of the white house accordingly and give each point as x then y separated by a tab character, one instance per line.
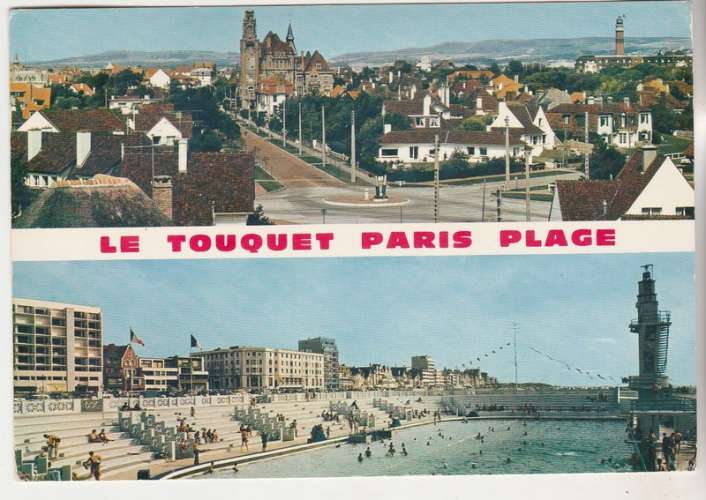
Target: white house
530	123
160	79
417	145
203	75
649	186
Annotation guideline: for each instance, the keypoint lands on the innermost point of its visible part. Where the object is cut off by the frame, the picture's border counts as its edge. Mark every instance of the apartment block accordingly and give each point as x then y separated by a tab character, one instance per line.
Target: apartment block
263	368
327	347
57	347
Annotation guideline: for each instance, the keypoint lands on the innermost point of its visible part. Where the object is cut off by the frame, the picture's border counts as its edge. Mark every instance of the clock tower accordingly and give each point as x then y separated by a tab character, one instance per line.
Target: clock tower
249	61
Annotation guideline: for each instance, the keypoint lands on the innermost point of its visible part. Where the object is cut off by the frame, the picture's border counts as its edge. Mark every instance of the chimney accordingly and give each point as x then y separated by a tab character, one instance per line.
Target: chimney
517	78
447	96
34	143
626	101
183	154
83	146
387	128
426	105
162	194
649	153
590	100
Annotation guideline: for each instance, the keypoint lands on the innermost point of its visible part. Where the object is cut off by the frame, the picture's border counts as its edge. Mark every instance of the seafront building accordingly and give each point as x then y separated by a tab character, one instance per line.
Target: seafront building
57	347
327	347
261	368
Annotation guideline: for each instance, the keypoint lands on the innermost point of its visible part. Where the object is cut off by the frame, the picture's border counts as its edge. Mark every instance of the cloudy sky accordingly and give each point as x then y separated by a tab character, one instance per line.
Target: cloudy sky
47	34
574	308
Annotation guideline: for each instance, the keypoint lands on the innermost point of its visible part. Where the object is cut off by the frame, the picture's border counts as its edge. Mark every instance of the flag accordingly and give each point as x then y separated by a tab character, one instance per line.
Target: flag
134	339
195	343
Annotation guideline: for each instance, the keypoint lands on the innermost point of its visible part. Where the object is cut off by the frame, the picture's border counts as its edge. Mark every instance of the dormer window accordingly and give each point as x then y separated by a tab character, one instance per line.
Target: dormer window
434	121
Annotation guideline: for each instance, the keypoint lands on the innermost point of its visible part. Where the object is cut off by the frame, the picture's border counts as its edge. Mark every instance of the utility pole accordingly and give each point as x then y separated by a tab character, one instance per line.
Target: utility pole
586	170
353	146
515	328
436	178
284	123
507	152
300	127
499	200
323	136
482	207
528	154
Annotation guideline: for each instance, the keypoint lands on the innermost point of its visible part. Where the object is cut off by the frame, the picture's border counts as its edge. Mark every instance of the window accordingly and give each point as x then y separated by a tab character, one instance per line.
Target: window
471	150
623	138
414	152
685	212
651	210
483	151
418	121
388	152
604	120
644	117
434	121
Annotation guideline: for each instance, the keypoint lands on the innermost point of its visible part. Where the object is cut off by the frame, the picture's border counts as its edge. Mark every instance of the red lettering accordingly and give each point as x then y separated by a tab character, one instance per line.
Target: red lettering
423	239
531	240
277	242
130	244
301	241
176	241
225	242
105	245
397	239
324	240
200	243
368	240
462	239
605	237
581	237
509	237
556	237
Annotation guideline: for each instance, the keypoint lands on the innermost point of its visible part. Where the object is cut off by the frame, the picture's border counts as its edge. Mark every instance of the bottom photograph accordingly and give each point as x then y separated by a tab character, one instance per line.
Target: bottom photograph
279	368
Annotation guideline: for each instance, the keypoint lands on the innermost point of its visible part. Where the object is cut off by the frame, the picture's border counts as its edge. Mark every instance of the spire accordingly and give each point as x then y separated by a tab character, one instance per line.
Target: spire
290	33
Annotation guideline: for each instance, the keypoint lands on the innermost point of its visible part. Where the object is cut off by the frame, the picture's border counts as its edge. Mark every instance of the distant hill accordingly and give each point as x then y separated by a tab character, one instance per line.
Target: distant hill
548	50
166	58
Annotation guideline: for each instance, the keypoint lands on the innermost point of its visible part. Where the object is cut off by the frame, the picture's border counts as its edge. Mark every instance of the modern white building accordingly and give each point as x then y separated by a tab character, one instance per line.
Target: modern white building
158	374
57	347
417	145
260	368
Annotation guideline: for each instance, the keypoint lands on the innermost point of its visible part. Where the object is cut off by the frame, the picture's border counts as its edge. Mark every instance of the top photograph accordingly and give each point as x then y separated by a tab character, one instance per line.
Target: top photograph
303	114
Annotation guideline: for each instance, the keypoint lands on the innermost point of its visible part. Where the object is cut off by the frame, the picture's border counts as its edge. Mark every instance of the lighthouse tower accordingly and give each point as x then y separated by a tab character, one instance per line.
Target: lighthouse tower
619	40
652	328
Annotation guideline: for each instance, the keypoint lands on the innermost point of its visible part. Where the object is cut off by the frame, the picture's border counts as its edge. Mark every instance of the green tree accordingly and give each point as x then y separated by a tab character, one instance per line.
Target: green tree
606	161
21	194
258	218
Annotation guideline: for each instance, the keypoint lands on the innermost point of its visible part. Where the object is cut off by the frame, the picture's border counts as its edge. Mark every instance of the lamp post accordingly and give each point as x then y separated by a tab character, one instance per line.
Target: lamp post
528	156
507	152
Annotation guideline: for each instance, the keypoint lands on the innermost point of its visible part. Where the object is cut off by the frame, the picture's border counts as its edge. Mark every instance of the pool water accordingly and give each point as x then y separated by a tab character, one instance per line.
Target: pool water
451	448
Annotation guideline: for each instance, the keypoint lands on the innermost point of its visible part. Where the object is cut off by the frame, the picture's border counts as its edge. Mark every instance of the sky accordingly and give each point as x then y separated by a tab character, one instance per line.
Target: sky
48	34
574	308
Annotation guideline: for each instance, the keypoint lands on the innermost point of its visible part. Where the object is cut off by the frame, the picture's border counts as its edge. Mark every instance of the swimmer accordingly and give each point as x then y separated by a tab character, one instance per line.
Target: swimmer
507	460
404	450
428	443
360	457
368	452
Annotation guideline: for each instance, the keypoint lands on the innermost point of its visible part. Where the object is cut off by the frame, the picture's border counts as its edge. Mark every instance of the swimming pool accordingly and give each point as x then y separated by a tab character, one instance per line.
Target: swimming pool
452	448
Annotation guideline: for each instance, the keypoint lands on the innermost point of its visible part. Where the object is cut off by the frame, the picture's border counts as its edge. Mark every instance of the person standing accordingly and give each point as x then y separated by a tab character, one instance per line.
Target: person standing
263	438
94	464
52	445
197	452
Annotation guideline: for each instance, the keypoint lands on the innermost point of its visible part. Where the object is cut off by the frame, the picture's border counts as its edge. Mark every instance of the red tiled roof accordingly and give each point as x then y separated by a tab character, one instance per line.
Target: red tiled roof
58	153
224	179
584	200
94	120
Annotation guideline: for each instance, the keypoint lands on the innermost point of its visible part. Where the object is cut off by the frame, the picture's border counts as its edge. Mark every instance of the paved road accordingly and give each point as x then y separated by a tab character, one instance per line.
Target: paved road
289	170
306	188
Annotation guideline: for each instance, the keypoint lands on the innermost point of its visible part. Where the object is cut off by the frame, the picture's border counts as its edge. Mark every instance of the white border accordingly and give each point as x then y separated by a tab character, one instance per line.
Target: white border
669	486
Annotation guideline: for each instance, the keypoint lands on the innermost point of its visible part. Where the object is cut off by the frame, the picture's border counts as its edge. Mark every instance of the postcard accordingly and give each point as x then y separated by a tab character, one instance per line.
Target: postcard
427	242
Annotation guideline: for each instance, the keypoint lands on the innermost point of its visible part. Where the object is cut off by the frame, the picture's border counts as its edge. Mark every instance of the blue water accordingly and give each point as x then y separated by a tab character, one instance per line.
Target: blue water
549	447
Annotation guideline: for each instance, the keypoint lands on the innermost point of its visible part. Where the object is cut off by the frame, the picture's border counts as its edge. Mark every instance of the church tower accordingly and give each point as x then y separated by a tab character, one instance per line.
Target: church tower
619	40
290	38
249	61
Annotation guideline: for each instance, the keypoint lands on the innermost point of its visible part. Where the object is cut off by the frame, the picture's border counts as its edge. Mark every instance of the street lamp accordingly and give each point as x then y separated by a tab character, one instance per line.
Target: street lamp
528	157
507	152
